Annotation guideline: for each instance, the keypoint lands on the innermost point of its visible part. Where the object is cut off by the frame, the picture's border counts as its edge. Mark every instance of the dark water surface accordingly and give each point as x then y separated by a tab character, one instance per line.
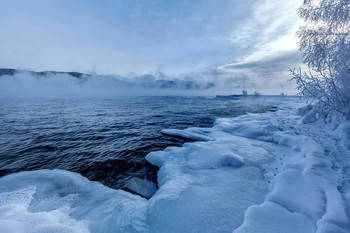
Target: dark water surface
103	139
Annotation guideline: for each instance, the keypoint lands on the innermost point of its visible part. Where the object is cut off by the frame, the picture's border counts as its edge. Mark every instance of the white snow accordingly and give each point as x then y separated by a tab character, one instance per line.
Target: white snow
62	201
266	173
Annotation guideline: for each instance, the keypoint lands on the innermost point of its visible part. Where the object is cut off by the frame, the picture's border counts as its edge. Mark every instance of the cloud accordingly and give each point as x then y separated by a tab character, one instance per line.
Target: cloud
269	21
179	38
269	75
270	46
117	36
277	62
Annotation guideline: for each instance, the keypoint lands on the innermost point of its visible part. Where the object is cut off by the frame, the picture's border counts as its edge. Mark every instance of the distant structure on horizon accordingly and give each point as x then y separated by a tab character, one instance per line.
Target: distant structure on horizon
244	93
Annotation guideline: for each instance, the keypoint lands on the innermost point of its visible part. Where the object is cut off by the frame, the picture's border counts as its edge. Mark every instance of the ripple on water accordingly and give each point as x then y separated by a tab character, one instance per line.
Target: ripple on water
103	139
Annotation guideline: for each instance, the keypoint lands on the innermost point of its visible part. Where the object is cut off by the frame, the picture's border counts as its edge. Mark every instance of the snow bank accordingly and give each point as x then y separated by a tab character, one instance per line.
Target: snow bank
254	173
303	187
271	217
16	215
61	201
204	187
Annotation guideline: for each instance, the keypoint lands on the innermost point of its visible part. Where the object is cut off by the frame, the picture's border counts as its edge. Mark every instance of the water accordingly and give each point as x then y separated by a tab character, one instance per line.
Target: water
105	140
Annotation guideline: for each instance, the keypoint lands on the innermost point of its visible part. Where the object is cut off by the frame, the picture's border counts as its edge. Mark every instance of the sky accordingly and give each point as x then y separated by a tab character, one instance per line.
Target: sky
250	43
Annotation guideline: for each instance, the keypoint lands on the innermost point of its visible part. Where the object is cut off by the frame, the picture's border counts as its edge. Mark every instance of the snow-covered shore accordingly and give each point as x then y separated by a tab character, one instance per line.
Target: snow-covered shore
254	173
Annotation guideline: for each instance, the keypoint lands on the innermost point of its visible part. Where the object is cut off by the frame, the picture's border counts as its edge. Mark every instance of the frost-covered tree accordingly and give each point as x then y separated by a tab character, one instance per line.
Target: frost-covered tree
325	43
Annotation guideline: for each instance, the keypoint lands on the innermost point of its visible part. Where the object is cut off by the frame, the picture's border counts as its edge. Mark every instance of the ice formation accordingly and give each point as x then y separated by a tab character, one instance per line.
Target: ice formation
145	188
263	173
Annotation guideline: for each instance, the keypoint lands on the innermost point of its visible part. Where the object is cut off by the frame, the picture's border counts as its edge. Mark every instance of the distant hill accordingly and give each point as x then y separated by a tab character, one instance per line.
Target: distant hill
6	71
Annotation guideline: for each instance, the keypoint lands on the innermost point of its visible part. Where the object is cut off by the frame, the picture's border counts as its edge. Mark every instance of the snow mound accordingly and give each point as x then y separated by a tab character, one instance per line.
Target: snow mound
270	217
289	192
232	160
145	188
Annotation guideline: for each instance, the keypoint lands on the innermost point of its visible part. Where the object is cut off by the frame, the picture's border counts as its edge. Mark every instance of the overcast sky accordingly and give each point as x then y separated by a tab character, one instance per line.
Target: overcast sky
251	42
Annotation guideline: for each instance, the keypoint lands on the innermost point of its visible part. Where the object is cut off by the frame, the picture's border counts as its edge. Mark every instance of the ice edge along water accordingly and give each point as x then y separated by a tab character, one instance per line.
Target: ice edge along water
253	173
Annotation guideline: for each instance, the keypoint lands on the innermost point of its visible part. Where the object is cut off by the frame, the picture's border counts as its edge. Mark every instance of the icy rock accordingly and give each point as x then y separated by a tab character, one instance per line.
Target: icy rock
145	188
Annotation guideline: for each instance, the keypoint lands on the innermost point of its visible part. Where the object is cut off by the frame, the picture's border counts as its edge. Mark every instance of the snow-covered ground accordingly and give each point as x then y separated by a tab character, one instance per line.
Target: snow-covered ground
265	173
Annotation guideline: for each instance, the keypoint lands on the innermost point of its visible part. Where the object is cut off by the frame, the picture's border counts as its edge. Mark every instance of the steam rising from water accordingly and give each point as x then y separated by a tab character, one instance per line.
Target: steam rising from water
26	84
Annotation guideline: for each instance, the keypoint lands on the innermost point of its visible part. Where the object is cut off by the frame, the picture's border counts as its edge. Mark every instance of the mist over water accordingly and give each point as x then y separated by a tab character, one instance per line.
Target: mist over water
27	84
52	84
104	139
